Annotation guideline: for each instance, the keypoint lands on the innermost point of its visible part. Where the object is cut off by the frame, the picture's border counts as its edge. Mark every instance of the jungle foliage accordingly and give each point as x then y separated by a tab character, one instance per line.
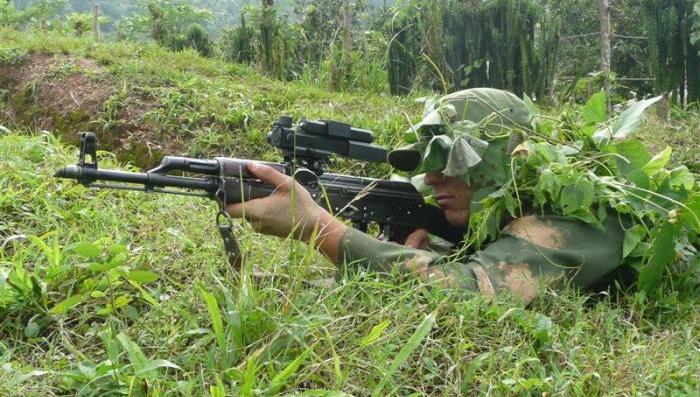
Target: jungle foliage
549	50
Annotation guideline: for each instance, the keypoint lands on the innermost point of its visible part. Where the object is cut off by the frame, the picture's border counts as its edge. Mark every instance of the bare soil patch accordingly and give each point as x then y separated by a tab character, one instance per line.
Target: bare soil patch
67	95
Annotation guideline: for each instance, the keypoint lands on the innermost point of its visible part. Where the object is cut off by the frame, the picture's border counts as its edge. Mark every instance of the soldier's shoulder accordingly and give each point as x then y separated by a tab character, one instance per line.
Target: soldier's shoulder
558	232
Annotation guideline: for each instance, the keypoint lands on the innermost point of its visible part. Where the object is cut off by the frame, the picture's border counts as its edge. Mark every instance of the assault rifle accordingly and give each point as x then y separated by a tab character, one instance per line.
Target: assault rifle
395	206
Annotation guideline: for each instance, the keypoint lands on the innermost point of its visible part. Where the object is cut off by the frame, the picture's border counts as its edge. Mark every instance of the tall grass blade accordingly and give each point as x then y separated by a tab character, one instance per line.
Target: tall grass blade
280	379
216	320
411	345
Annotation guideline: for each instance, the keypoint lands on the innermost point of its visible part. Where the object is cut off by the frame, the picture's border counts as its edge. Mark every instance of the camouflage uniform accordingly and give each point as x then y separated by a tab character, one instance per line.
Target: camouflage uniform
530	252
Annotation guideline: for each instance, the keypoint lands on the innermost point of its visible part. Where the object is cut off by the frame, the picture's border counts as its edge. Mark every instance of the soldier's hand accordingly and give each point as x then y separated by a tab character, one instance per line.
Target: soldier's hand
277	214
417	239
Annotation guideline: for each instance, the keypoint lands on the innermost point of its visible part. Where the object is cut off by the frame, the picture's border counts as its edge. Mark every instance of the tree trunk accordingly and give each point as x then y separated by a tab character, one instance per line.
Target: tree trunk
346	44
266	35
96	23
605	47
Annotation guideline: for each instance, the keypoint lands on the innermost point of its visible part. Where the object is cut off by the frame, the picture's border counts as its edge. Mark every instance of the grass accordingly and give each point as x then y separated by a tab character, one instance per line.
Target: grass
207	106
123	293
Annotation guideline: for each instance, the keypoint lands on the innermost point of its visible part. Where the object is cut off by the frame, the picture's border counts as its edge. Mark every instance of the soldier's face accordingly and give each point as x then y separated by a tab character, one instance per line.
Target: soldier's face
453	195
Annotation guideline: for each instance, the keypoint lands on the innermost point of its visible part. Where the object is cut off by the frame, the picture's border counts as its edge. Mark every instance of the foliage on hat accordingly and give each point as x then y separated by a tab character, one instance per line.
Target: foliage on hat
466	134
579	164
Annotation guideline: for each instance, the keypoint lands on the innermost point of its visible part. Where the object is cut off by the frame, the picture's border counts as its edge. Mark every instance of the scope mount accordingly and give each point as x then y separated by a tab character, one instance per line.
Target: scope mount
311	143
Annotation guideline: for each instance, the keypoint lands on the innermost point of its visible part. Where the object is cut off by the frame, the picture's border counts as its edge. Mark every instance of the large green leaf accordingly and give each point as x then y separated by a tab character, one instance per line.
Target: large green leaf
633	236
626	123
155	364
374	333
136	356
635	155
691	214
595	111
142	276
87	250
662	253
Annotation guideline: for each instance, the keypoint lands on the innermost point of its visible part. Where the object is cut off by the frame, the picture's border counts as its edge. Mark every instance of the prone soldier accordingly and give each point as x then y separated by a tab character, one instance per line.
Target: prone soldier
455	147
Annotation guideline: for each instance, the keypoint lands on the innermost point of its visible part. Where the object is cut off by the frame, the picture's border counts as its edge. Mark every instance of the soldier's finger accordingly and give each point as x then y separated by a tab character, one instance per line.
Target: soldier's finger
246	209
269	175
416	239
235	210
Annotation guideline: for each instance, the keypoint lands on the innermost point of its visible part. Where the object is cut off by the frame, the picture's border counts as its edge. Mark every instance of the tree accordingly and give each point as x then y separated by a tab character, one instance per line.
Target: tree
198	39
238	43
695	35
456	44
605	47
674	57
79	23
40	11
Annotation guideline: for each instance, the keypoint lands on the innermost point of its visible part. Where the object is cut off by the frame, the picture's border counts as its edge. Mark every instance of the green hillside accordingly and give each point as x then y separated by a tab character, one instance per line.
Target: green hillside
123	293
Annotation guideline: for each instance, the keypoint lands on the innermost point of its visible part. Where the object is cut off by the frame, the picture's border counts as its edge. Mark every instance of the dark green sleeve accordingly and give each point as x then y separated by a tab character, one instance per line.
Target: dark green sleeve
360	249
532	252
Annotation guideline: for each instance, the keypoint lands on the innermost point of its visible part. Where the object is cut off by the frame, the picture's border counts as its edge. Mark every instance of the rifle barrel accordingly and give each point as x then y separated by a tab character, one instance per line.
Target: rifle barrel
87	175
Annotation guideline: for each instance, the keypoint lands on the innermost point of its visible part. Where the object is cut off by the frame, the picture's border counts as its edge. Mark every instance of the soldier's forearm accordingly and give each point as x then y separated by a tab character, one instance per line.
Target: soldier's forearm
330	233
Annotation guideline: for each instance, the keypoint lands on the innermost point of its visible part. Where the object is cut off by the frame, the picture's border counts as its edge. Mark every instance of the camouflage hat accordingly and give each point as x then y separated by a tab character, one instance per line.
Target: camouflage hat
459	130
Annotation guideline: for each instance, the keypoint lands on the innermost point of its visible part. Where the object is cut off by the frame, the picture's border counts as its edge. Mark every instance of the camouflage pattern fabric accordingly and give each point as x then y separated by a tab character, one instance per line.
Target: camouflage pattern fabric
531	253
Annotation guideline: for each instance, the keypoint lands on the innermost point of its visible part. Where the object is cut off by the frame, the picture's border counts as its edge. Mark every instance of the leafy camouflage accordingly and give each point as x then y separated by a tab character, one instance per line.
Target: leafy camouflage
458	131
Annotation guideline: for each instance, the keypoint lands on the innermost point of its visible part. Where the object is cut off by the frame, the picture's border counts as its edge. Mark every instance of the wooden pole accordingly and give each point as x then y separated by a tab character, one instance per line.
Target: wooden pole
346	44
605	47
96	23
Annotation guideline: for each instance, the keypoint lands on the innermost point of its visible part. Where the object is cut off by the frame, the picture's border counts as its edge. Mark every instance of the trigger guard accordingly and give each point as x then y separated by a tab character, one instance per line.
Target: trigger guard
305	177
310	182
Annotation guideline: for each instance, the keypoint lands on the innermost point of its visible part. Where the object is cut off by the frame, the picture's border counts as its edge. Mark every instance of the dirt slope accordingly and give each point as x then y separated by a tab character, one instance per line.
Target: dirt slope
67	94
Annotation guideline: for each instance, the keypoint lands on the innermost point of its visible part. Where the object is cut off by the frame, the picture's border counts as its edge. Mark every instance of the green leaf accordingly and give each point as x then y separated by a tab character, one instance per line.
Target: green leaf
143	276
117	261
577	197
411	345
88	250
626	123
662	253
66	304
280	380
634	152
155	364
595	110
639	179
249	377
657	163
681	177
461	158
136	356
435	156
633	236
50	255
542	329
691	215
216	319
548	183
374	333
